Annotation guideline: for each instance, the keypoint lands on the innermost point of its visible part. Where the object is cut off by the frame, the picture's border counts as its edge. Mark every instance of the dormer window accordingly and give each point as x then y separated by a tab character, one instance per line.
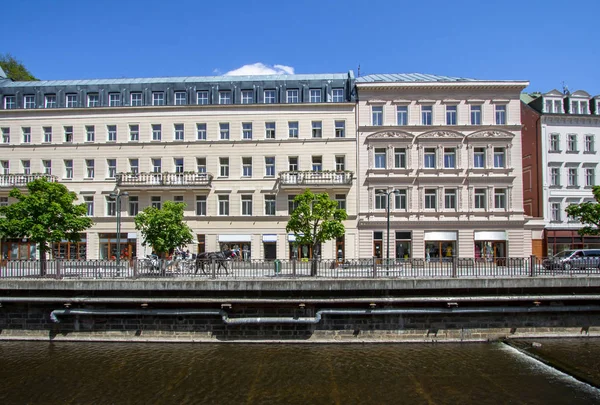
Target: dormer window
579	107
553	107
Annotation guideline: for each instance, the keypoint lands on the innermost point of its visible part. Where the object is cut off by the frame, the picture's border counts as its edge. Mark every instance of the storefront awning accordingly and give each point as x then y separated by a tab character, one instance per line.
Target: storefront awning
440	236
269	238
490	235
235	238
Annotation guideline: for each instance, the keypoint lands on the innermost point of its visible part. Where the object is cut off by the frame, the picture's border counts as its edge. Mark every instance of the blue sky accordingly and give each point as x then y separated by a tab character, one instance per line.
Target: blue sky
546	42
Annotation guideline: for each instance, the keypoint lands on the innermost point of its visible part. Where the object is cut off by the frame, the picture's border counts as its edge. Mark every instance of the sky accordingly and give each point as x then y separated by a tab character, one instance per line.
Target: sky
547	43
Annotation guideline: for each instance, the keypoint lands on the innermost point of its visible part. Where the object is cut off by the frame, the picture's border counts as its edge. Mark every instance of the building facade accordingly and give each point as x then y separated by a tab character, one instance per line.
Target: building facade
563	130
439	161
235	149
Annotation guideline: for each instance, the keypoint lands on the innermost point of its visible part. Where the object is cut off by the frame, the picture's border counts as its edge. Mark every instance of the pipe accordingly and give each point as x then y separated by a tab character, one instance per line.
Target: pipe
317	318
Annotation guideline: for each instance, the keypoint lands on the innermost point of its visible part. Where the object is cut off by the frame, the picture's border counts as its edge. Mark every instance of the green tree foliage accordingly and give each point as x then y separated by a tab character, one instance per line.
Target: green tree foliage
588	213
315	220
45	214
15	69
164	229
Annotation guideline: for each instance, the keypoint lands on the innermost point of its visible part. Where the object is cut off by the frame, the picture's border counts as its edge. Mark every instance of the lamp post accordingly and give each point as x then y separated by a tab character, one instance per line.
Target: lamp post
116	195
387	209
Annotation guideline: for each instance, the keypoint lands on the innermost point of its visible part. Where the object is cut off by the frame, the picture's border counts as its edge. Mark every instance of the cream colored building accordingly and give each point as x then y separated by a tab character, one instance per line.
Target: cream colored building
447	153
236	150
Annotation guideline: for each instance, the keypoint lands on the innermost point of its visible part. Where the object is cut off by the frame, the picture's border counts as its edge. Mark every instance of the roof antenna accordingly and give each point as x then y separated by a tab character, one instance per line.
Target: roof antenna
566	89
358	70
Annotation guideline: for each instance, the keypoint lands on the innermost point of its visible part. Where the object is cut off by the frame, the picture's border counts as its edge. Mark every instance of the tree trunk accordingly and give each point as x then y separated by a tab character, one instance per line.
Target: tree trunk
315	257
43	263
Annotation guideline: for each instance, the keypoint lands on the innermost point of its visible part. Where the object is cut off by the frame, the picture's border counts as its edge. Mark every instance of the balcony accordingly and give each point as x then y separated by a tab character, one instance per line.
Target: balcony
307	179
170	181
21	180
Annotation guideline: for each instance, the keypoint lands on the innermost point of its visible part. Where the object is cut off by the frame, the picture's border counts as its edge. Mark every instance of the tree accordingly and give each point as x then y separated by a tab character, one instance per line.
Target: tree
15	70
46	214
588	213
316	219
163	228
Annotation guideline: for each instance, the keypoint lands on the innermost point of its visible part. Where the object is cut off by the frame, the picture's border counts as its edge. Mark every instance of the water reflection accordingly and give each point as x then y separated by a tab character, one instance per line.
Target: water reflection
42	373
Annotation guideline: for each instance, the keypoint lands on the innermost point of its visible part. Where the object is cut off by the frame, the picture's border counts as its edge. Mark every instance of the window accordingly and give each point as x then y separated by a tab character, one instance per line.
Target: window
47	134
3	201
426	114
29	101
341	201
136	99
201	205
156	132
134	206
68	168
500	198
47	165
293	129
476	115
556	106
158	98
5	166
224	167
589	144
71	100
270	166
450	198
90	133
246	205
68	134
340	129
317	129
89	205
480	198
377	115
579	107
201	132
380	158
429	158
246	167
270	130
317	163
449	158
400	200
572	177
224	97
112	133
269	96
293	163
247	96
400	158
180	98
93	100
479	158
134	132
89	168
10	102
224	205
246	130
499	158
50	101
555	176
202	97
270	205
554	143
111	206
134	166
590	177
178	163
111	165
451	114
156	165
5	135
292	204
201	165
26	134
315	95
114	99
430	198
571	143
501	114
340	163
555	212
337	95
155	201
381	199
292	96
402	114
179	133
224	130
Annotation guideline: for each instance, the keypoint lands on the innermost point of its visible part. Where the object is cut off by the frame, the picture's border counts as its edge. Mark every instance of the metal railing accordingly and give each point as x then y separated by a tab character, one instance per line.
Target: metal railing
267	269
164	179
21	180
315	178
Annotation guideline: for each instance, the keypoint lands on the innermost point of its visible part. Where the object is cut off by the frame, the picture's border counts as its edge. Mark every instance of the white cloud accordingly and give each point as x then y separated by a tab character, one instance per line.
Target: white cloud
261	69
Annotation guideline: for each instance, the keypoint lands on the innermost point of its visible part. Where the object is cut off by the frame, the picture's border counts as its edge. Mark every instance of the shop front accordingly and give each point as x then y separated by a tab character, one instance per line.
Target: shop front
127	245
18	249
240	244
561	240
70	250
403	245
490	246
440	245
301	252
270	246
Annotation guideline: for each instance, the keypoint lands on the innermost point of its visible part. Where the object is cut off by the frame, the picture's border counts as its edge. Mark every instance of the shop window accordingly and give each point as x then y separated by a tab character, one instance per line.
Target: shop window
70	250
440	250
403	245
201	243
17	249
108	247
270	249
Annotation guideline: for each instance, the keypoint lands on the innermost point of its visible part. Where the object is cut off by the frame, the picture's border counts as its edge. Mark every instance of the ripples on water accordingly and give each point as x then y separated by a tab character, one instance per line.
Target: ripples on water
112	373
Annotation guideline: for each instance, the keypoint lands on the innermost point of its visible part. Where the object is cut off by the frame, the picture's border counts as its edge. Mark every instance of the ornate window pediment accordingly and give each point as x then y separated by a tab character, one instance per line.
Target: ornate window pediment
490	134
444	135
390	135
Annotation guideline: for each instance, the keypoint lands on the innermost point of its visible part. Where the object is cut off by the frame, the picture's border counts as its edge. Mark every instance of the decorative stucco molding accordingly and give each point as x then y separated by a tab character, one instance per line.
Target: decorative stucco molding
486	134
441	134
390	134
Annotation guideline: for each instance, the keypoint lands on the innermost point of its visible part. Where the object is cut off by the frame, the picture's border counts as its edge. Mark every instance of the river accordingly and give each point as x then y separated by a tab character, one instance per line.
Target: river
121	373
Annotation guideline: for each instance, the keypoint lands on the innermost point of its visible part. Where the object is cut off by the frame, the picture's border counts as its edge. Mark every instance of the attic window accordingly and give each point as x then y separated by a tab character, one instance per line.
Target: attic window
553	107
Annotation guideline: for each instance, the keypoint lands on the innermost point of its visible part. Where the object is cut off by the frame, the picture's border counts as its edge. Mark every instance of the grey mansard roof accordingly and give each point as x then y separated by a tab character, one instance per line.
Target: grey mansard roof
409	77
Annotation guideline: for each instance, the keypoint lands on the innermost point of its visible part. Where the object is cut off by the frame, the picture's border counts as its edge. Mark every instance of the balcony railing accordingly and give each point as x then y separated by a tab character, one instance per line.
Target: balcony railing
21	180
164	180
313	178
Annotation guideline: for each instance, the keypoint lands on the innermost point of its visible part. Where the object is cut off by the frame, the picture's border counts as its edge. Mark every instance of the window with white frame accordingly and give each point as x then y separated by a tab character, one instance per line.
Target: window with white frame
10	102
500	114
555	212
71	100
317	163
158	98
111	206
269	130
292	96
202	97
178	163
590	177
89	205
270	205
451	111
315	95
341	201
572	143
114	99
5	166
47	166
400	158
136	99
380	158
270	166
476	114
3	201
111	131
26	134
579	107
429	158
156	132
178	132
450	198
224	131
377	115
50	101
293	163
293	129
500	198
29	101
557	107
201	165
247	96
89	168
134	166
499	158
201	205
47	134
572	177
400	200
402	115
337	95
246	167
381	199
93	100
134	205
430	198
340	129
480	198
111	165
479	158
292	204
555	176
134	132
201	132
269	96
156	165
340	163
68	168
426	114
155	201
26	165
225	97
449	158
554	143
90	133
180	98
224	205
224	167
246	205
5	135
68	134
589	144
317	129
246	130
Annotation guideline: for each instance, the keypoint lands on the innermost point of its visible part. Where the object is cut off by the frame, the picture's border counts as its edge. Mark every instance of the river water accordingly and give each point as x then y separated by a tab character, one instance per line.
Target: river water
132	373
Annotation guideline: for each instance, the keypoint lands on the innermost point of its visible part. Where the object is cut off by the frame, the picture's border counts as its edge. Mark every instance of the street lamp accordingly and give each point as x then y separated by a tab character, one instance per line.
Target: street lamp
387	209
116	195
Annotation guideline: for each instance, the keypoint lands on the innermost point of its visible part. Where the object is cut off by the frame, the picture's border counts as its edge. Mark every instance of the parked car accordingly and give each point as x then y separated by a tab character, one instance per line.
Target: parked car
574	259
